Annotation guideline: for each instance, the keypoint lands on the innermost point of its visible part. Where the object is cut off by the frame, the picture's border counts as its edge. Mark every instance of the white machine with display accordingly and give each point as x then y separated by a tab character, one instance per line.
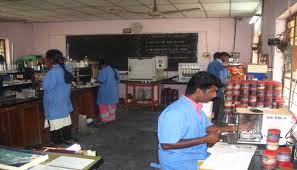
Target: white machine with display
186	70
146	69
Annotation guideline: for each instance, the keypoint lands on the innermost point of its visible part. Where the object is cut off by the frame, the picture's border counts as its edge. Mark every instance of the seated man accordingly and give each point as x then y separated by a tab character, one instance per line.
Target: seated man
183	128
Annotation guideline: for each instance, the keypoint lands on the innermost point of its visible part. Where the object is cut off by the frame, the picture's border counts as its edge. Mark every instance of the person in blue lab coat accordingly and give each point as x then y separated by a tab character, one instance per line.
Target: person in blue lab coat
183	128
56	99
219	68
108	92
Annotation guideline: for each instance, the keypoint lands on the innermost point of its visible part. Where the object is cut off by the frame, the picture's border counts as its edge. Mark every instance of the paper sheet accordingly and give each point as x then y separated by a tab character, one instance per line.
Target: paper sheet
70	162
45	167
229	157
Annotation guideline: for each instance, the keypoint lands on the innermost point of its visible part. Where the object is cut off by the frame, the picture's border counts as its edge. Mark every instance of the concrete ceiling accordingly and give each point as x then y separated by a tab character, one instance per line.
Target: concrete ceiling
91	10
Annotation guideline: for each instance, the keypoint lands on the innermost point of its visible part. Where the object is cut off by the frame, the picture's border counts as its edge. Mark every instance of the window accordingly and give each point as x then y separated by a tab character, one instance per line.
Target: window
290	75
2	47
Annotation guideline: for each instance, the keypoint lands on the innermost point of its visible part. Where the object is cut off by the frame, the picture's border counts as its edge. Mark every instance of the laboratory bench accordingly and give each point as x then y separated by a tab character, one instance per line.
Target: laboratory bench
22	120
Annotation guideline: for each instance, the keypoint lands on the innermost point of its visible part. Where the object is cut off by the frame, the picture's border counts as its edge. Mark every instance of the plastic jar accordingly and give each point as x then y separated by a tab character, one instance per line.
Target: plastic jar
260	104
284	154
236	98
236	92
277	94
245	92
253	93
244	105
273	135
277	86
229	85
261	85
244	98
261	93
237	103
268	99
269	85
253	104
236	85
268	104
228	103
229	92
261	99
279	103
228	110
253	85
252	98
273	146
245	85
269	159
269	93
228	97
285	165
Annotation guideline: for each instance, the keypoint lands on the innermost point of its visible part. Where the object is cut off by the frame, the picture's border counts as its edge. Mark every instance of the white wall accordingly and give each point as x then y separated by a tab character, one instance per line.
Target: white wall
20	34
271	26
215	34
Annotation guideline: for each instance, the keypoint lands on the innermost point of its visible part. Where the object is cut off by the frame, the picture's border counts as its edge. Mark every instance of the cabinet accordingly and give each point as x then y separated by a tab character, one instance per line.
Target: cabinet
142	94
21	125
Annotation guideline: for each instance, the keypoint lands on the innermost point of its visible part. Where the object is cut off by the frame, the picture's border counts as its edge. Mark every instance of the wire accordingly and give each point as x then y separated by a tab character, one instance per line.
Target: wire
289	132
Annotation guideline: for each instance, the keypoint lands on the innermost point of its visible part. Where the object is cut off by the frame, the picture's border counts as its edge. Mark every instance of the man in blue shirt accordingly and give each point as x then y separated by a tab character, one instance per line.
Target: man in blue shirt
183	128
218	67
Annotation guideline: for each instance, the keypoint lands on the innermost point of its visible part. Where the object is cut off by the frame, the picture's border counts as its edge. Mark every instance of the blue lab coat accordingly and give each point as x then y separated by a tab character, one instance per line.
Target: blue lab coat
181	120
108	92
56	98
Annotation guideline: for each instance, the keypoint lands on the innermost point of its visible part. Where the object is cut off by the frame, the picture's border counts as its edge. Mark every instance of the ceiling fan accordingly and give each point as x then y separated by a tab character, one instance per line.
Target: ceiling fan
155	12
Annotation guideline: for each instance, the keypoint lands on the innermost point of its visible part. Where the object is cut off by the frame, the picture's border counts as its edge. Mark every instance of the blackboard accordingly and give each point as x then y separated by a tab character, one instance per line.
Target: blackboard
116	49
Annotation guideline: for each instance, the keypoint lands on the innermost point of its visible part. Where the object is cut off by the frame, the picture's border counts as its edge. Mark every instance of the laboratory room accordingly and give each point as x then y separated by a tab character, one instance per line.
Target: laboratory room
148	84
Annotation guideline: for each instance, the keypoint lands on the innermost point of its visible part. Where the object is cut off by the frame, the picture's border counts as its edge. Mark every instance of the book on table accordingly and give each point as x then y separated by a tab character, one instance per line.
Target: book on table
17	159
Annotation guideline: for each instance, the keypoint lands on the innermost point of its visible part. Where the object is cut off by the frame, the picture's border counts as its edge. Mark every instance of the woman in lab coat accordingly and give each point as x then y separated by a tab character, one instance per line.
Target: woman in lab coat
56	98
108	93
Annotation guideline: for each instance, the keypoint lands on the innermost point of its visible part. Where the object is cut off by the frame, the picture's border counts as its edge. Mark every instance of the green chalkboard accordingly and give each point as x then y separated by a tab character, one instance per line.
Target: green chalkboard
116	49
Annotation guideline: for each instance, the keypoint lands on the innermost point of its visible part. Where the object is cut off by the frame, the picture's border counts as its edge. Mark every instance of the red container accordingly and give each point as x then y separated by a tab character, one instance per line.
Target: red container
253	92
284	154
268	99
244	105
245	85
228	110
261	99
236	92
228	97
252	98
273	135
253	85
229	85
260	104
261	85
244	98
228	103
237	85
269	159
245	92
277	86
269	93
285	165
269	85
279	103
261	93
229	92
253	104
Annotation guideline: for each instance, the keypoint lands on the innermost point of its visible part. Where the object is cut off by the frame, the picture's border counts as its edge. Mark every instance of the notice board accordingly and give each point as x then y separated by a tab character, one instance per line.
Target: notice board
116	49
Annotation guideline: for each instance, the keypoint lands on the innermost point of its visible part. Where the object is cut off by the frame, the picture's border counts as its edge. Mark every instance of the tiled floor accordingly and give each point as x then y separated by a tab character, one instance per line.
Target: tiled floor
130	143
